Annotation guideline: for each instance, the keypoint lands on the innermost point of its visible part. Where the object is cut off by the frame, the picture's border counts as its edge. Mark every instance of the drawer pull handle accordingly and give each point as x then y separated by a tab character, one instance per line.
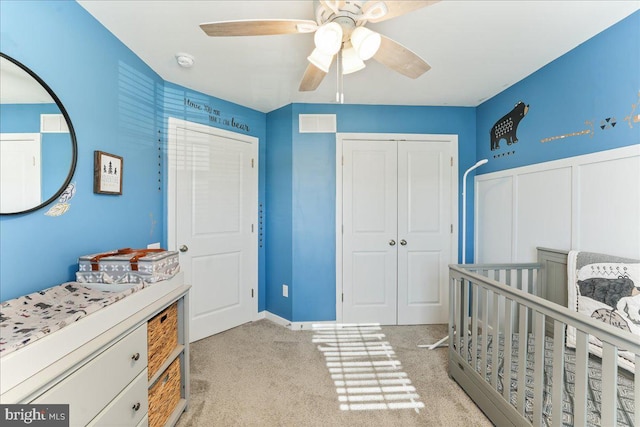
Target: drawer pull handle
163	318
135	357
136	407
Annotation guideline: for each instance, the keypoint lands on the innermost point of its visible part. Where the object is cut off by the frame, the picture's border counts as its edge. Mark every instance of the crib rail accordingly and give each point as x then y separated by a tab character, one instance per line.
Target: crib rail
491	303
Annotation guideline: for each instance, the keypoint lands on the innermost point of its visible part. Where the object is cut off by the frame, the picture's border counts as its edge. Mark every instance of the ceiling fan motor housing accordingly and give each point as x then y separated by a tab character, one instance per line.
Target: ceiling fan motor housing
348	17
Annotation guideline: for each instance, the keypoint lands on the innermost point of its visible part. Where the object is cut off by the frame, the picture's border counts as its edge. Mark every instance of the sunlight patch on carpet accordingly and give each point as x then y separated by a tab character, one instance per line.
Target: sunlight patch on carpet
364	368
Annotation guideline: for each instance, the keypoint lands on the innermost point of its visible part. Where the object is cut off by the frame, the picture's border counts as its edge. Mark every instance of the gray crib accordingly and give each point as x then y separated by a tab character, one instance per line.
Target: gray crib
508	348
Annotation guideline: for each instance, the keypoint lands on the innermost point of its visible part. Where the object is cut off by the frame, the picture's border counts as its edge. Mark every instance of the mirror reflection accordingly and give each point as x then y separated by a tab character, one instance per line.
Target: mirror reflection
37	143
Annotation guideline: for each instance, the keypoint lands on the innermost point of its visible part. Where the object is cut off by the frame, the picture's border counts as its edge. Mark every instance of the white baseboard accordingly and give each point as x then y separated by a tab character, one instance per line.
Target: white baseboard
309	326
276	319
294	326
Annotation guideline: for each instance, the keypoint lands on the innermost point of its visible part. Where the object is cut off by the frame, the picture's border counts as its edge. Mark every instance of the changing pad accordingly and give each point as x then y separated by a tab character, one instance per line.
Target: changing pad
30	317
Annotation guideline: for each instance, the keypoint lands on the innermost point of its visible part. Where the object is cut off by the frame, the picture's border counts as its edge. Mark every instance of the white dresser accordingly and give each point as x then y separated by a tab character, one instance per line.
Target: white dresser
101	365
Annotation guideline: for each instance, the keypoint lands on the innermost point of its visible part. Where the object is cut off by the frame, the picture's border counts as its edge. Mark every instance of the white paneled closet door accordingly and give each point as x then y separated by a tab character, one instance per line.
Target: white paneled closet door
370	231
424	230
396	231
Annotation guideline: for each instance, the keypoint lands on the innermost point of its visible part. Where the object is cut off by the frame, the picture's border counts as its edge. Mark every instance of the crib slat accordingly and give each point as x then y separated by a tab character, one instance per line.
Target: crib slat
485	329
532	284
522	357
538	368
474	324
609	384
465	319
558	373
453	303
580	398
495	330
506	371
455	335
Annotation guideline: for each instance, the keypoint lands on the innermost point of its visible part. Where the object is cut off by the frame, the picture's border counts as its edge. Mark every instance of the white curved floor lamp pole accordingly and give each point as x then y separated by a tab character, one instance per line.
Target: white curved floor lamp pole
464	238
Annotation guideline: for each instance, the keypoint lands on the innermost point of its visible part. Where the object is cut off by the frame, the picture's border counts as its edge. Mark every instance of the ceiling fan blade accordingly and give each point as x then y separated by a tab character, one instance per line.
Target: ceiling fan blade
263	27
396	8
312	78
399	58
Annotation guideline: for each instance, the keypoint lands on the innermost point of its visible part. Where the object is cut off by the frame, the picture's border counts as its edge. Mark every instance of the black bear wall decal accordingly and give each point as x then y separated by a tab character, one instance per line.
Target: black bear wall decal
506	127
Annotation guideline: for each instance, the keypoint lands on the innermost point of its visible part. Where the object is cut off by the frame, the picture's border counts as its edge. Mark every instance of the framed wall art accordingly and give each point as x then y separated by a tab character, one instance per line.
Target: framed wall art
107	173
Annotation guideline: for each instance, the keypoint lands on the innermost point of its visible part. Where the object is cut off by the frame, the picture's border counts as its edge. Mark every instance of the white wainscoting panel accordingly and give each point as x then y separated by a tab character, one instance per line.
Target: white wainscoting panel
609	206
495	218
589	202
543	203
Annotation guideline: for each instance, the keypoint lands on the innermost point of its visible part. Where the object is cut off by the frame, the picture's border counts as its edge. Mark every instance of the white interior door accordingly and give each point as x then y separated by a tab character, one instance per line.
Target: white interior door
370	229
215	225
398	232
424	231
20	174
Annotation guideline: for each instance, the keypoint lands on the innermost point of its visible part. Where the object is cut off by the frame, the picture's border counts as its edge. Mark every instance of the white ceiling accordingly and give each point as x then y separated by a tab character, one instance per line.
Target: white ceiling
476	48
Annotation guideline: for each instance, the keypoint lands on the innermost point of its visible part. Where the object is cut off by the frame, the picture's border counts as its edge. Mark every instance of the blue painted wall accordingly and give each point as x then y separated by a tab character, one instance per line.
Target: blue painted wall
117	104
577	92
310	182
108	113
279	212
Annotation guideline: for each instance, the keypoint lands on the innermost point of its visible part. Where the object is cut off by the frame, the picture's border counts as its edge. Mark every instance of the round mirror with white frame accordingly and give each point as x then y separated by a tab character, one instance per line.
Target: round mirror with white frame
38	147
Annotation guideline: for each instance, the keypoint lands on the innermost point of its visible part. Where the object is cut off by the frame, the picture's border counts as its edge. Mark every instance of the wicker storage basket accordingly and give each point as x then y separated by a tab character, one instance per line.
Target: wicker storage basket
162	337
164	395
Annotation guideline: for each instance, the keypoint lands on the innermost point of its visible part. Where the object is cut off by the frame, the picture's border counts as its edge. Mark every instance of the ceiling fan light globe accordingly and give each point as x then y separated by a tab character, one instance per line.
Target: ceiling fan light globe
365	42
351	62
328	38
320	60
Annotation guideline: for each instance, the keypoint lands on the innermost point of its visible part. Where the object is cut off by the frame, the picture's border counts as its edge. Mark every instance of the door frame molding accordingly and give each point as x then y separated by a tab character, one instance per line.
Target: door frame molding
172	125
340	137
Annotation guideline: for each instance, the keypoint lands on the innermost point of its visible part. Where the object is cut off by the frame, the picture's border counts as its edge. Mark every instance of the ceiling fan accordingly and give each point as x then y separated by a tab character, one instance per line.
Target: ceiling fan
340	33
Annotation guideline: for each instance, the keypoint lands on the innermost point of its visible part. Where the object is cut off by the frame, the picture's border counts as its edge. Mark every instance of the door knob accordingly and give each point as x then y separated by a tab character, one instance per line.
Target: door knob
184	248
392	242
403	242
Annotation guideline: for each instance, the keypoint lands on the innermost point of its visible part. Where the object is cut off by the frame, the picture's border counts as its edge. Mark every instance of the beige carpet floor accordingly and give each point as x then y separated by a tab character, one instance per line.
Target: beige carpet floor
263	374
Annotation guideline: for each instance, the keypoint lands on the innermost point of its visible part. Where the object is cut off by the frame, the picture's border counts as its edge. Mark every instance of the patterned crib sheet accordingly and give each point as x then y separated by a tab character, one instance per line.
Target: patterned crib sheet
28	318
625	393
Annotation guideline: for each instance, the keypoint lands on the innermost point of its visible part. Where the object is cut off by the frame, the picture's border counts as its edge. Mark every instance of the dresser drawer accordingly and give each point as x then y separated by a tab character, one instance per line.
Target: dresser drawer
90	388
128	408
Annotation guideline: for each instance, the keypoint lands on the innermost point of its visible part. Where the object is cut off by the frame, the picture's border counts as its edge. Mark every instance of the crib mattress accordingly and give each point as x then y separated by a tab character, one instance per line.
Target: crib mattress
31	317
625	395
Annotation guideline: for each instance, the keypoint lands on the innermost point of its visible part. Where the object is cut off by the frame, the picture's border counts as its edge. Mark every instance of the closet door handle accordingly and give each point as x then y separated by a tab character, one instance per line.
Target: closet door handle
392	242
403	242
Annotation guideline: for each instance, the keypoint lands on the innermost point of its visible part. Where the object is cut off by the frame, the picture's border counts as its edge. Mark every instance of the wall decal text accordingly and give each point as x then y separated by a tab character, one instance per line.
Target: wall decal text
216	116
